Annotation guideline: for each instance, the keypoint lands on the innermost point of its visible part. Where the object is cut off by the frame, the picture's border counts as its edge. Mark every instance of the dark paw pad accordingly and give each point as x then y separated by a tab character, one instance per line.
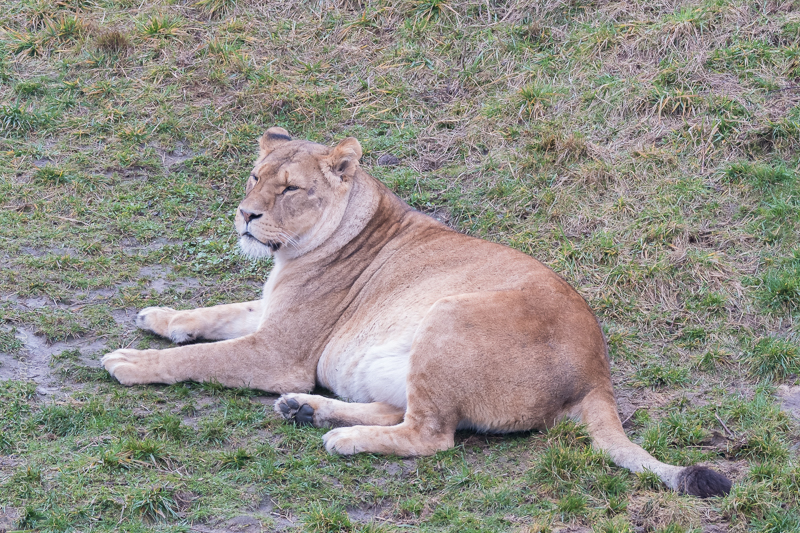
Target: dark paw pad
703	482
291	409
305	416
289	405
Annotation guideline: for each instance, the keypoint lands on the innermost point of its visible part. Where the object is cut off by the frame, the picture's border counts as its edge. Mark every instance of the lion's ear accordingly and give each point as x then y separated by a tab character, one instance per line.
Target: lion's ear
344	157
274	137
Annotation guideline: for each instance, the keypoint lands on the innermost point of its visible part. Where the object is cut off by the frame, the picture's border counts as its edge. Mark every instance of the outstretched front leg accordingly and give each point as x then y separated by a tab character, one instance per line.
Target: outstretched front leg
244	362
220	322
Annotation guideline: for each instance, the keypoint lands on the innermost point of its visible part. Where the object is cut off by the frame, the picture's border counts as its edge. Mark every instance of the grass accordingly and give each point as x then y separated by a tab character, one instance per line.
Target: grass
647	153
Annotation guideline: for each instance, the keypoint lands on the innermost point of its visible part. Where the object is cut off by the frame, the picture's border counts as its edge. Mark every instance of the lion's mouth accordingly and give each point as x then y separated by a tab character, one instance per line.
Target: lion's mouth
272	245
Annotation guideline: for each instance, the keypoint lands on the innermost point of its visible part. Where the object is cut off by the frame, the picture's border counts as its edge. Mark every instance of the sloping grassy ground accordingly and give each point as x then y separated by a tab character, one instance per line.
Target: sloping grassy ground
646	151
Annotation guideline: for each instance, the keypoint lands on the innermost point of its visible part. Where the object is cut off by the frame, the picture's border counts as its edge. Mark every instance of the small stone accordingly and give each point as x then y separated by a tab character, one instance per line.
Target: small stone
790	399
388	160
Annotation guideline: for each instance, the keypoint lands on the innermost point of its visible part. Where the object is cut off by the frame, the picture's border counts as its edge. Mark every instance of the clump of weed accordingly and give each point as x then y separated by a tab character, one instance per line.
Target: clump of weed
216	8
213	431
571	506
30	88
674	101
234	459
773	358
684	428
19	119
534	33
156	503
711	359
64	420
569	460
326	519
60	324
9	343
692	337
168	426
778	521
65	355
28	44
758	411
760	176
784	131
426	11
113	41
667	511
6	443
768	471
51	175
649	480
748	500
560	148
535	99
164	27
143	449
671	435
569	433
761	443
618	524
780	287
656	375
65	28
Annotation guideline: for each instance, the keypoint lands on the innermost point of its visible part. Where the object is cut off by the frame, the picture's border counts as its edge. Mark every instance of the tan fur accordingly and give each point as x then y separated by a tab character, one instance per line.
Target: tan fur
424	328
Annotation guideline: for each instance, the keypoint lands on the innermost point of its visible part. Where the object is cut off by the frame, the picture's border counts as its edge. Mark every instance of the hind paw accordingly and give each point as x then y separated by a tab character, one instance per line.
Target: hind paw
293	407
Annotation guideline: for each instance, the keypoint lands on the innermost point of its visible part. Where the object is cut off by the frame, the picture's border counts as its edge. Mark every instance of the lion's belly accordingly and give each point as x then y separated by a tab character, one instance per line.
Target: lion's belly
371	367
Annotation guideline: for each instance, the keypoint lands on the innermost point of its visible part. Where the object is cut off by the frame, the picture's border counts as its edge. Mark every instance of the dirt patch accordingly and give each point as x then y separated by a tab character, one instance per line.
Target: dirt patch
8	518
790	400
52	250
27	303
157	276
264	518
133	247
369	513
32	363
173	159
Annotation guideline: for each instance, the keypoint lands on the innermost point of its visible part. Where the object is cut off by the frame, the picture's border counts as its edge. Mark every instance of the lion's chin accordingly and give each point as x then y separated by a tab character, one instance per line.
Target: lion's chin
255	249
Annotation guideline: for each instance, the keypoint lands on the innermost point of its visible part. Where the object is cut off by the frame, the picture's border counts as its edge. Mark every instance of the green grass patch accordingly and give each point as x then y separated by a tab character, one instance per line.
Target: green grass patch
773	359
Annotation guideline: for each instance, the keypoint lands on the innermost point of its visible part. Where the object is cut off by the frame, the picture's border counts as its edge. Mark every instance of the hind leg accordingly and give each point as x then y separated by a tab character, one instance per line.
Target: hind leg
429	424
406	440
321	412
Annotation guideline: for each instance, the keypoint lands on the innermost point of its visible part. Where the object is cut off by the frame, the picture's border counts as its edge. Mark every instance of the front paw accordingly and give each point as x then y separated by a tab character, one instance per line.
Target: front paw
343	441
166	322
293	407
135	367
155	319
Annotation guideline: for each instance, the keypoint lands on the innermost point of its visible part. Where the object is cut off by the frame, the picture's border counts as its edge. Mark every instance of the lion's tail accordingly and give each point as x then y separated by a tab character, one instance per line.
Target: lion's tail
599	412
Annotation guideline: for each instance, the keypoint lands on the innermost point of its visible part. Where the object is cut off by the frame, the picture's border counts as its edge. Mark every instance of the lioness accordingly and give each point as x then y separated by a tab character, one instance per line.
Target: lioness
423	329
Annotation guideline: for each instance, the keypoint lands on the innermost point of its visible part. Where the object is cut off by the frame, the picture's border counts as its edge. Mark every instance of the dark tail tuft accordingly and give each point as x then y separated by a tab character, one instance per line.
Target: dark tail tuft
703	482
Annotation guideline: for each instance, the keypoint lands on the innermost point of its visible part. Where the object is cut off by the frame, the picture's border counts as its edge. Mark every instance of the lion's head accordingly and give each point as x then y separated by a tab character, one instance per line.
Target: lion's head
296	194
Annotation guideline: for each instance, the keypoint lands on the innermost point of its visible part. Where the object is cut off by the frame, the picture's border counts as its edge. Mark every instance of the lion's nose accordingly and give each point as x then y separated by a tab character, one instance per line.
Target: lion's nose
249	215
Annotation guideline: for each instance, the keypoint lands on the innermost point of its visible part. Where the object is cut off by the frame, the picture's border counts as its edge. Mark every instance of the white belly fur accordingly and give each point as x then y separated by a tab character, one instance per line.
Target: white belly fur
366	371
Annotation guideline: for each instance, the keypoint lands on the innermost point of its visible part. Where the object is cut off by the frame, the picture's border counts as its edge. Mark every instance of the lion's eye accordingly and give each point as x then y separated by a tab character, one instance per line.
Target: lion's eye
290	188
255	178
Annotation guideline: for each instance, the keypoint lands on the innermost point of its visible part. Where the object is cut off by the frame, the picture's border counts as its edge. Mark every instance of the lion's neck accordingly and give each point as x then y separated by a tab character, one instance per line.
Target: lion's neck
370	208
